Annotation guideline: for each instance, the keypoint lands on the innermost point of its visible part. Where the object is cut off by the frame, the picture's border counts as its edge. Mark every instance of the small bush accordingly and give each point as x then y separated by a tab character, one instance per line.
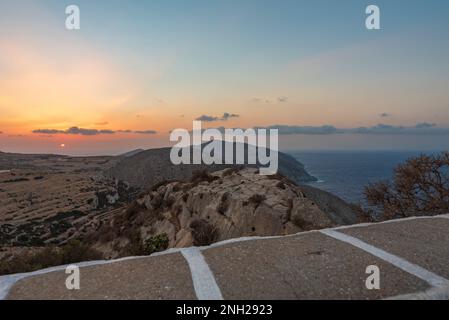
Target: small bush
170	201
223	206
160	184
74	251
203	232
156	244
134	246
16	180
199	176
281	177
257	199
420	187
231	171
133	210
104	234
157	201
280	185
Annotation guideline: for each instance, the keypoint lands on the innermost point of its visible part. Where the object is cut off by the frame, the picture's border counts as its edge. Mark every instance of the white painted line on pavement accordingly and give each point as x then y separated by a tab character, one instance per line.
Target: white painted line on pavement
426	275
367	224
206	287
7	281
434	293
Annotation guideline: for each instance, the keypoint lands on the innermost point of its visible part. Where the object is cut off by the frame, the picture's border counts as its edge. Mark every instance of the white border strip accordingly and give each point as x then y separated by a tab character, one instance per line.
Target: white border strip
206	287
426	275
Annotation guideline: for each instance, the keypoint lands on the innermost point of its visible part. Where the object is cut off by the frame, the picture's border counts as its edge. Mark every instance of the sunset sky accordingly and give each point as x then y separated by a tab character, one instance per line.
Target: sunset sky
138	69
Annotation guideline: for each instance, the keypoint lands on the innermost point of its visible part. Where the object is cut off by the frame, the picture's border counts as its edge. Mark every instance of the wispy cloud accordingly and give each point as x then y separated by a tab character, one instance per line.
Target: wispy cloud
384	115
268	101
423	128
287	129
282	99
146	132
225	117
74	131
16	136
89	132
261	100
419	129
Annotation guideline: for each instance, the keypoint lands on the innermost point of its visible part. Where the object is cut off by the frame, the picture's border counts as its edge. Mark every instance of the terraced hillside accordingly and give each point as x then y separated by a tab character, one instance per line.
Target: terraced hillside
50	199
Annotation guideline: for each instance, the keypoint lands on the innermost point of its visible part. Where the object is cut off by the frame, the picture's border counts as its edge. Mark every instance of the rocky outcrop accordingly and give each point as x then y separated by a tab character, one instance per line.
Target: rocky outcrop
211	207
150	167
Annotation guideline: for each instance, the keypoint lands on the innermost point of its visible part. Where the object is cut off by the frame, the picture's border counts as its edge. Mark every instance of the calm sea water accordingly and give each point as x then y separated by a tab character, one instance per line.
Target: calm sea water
345	173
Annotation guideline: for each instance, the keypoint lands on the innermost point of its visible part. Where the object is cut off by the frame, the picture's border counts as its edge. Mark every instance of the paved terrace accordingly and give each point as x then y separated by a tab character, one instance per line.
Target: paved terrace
412	255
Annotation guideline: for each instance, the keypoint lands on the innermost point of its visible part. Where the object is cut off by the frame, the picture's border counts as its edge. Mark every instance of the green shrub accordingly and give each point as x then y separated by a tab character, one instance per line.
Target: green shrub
155	244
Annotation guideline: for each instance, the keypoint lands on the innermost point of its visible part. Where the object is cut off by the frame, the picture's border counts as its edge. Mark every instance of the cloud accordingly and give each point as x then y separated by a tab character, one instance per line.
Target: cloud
1	132
207	118
286	129
146	132
225	117
282	99
260	100
88	132
48	131
268	101
419	129
423	125
16	136
384	115
101	123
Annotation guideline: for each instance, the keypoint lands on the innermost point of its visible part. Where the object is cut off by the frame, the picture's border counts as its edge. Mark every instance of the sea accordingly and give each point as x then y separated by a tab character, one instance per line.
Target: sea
346	173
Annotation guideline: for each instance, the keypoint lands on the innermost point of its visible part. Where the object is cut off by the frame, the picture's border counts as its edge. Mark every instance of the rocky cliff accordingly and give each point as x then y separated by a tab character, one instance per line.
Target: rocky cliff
149	167
211	207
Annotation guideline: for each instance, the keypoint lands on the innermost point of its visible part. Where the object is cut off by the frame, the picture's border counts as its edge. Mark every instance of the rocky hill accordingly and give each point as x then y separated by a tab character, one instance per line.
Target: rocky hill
149	167
211	207
131	153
